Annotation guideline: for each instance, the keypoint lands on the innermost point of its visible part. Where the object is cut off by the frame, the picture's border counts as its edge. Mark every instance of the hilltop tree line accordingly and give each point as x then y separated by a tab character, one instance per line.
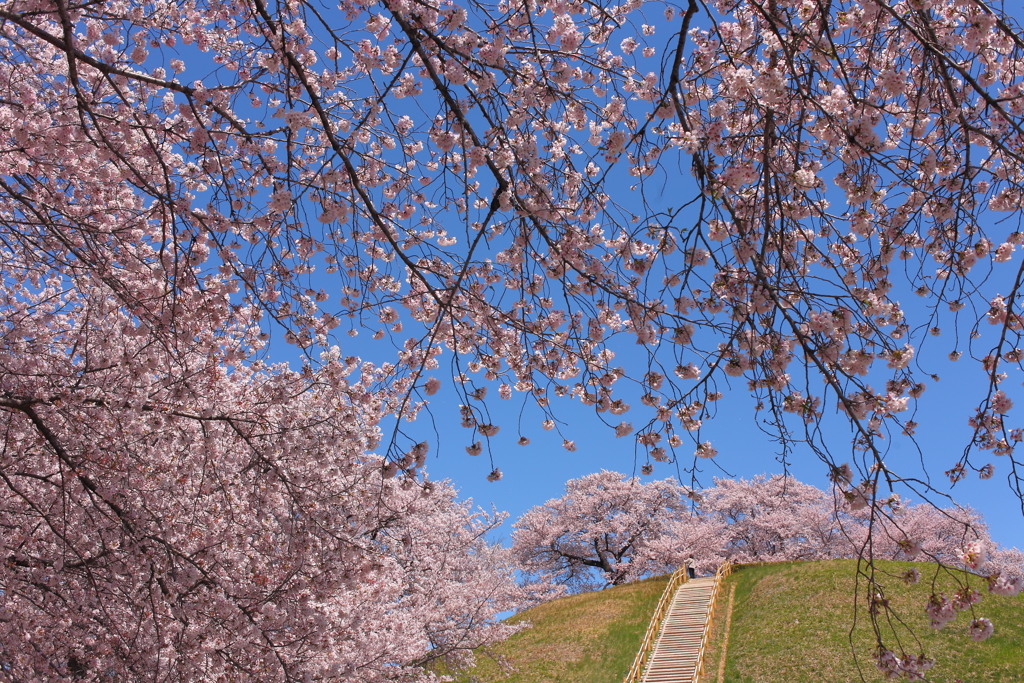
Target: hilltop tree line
609	529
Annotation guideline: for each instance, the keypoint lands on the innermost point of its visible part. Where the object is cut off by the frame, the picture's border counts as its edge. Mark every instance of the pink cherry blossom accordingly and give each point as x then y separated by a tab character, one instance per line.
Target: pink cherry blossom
1001	403
194	516
940	611
974	555
980	629
1008	586
706	450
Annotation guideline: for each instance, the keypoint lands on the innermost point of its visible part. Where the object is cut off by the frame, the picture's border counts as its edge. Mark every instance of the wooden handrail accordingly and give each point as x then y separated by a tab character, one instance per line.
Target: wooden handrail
679	577
723	571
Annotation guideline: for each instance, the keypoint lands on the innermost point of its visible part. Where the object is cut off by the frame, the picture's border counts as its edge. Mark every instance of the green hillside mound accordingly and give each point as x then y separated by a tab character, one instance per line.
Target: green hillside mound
586	638
793	623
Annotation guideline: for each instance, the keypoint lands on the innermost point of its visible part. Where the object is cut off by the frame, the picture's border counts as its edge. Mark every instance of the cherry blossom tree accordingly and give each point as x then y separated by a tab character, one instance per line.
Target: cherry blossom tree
166	517
771	519
599	532
778	518
908	532
484	183
625	529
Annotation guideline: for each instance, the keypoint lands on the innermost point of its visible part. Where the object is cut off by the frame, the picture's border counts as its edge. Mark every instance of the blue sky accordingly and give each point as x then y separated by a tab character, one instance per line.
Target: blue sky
538	472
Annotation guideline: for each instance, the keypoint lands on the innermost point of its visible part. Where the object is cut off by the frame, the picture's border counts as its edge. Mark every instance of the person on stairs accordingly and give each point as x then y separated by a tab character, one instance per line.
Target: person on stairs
691	567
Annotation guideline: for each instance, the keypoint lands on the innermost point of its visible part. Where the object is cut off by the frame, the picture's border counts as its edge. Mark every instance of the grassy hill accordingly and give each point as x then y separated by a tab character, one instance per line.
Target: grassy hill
791	623
586	638
794	623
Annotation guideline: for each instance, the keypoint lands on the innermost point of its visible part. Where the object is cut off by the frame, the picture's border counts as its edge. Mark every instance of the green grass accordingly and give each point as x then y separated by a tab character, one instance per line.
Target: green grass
794	623
587	638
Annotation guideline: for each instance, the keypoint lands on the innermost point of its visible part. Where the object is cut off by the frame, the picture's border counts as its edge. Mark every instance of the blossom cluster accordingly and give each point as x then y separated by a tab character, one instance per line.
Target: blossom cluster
911	667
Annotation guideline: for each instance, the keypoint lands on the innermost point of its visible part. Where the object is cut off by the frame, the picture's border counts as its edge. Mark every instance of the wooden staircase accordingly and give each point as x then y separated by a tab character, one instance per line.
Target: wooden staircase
672	650
677	652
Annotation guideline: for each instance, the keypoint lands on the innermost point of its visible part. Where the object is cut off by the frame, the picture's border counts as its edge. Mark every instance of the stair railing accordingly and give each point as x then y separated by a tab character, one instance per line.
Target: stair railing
723	571
679	577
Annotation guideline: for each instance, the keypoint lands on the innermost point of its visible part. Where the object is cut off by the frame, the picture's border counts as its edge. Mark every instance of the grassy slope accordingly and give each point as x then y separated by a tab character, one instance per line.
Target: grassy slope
588	638
791	623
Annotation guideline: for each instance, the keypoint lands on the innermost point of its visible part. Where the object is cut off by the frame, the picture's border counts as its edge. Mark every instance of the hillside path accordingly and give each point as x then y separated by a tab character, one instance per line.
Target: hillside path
674	658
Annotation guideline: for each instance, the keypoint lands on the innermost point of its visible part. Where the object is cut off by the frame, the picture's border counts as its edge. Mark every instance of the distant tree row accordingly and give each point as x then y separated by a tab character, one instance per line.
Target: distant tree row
608	529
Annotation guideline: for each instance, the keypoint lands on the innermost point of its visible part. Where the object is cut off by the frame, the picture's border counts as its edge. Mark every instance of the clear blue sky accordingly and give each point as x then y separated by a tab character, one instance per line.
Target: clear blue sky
535	473
538	472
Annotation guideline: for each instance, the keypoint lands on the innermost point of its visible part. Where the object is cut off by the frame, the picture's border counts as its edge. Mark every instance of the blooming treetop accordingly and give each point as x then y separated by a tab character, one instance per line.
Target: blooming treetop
764	519
480	182
643	528
603	525
457	169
